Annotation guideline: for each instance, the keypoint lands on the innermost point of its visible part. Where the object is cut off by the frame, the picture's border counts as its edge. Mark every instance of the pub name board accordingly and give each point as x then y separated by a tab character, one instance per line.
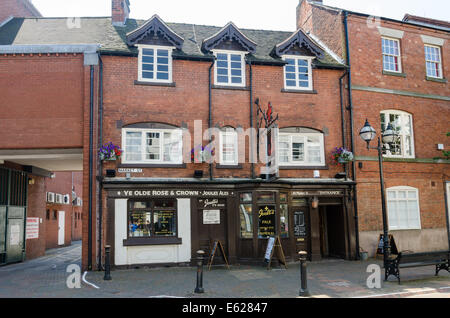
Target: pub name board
173	193
323	193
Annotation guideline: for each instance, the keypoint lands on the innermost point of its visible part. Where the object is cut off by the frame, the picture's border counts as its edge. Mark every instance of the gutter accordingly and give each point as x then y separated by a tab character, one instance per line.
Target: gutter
352	140
49	48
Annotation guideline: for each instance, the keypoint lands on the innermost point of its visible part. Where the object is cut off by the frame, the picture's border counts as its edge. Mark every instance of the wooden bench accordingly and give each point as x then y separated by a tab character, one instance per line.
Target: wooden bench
406	260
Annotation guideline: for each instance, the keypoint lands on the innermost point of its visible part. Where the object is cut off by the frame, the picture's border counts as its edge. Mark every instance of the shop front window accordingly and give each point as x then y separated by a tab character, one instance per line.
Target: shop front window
152	219
246	215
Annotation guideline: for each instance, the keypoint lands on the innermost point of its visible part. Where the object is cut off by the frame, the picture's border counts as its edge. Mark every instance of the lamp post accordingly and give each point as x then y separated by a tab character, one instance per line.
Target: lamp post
368	134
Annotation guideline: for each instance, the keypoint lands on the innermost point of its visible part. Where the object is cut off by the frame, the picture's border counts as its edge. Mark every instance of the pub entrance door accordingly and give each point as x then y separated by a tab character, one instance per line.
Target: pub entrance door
332	231
212	226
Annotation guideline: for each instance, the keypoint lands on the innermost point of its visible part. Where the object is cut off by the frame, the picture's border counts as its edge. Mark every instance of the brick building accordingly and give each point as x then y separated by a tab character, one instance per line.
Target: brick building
181	100
398	75
49	88
17	8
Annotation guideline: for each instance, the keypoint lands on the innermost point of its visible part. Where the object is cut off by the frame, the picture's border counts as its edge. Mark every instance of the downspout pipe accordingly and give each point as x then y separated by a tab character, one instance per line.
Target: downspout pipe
100	172
352	139
91	160
344	133
252	165
211	177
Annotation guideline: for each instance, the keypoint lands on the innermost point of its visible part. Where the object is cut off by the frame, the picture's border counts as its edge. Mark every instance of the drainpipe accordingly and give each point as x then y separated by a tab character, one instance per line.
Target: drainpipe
252	165
91	150
350	108
100	174
210	113
344	142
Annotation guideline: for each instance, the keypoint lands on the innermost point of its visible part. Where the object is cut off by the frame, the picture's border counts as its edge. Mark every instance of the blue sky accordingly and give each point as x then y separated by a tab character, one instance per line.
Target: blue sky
256	14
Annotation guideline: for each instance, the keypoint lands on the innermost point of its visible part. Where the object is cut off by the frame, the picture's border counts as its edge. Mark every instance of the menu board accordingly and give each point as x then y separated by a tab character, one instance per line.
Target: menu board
266	216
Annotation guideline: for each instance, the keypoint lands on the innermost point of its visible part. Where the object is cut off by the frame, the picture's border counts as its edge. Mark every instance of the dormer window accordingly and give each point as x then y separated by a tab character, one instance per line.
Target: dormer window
155	64
230	68
298	72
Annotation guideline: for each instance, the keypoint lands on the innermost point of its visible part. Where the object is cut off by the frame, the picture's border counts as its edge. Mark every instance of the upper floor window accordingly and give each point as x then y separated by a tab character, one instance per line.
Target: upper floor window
433	61
297	73
155	64
403	208
391	55
157	146
229	147
302	149
230	68
403	145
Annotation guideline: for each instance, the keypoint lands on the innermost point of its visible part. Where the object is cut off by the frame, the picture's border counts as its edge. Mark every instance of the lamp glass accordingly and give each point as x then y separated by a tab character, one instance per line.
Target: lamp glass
389	134
367	133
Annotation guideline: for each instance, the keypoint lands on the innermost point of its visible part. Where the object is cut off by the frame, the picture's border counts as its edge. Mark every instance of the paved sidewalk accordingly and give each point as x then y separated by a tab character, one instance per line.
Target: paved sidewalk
47	276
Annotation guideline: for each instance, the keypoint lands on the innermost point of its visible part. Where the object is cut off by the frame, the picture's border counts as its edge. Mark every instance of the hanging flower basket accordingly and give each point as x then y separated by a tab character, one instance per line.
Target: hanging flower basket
109	152
341	156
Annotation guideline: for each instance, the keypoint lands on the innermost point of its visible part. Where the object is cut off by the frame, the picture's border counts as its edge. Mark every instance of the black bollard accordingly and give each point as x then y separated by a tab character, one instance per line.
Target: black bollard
303	277
107	263
200	257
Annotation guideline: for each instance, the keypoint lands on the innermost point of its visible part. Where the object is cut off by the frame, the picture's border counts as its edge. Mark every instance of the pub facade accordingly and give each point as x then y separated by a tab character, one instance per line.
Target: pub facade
172	193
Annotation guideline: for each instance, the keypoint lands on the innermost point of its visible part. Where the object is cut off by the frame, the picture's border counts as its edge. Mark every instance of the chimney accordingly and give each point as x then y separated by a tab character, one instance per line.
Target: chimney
120	12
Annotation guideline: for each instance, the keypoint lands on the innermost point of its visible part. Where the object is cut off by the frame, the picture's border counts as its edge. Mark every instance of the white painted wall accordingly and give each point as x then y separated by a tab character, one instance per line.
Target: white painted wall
134	255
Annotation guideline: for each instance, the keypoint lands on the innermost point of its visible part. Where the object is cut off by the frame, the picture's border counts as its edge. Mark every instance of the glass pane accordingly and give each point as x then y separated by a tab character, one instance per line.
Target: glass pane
222	57
246	197
299	223
141	205
284	220
139	224
222	71
165	203
165	223
290	83
162	76
236	72
153	146
266	197
266	221
223	64
298	152
290	69
303	63
163	53
236	58
147	52
236	65
147	67
147	59
236	80
222	79
148	75
163	68
163	60
303	84
172	146
246	220
133	146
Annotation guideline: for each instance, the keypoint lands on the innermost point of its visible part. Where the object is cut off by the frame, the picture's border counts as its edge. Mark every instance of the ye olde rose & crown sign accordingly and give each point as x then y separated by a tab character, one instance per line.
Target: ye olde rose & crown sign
173	193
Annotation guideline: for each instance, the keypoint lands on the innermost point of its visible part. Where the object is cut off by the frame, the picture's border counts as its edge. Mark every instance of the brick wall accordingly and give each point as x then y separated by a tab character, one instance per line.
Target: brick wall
17	8
36	209
50	90
126	103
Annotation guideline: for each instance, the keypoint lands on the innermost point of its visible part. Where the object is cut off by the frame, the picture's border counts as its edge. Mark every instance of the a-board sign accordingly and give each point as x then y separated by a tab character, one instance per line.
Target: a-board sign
269	248
217	245
392	244
274	248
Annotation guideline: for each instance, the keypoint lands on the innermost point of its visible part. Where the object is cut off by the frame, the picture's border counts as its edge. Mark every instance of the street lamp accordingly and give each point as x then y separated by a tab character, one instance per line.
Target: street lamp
368	134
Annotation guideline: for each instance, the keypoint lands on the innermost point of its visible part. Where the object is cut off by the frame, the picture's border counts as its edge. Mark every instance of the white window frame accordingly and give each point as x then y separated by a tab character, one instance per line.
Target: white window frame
400	67
407	199
403	136
143	146
304	163
440	61
234	135
310	74
155	70
243	68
